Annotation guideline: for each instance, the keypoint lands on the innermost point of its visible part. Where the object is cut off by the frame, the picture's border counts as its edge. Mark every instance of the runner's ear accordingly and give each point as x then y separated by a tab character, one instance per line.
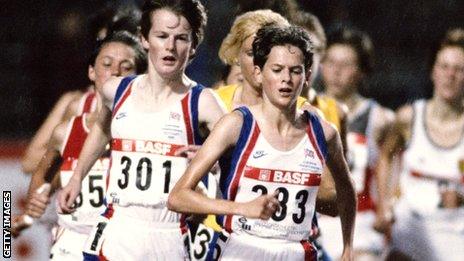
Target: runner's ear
91	73
258	75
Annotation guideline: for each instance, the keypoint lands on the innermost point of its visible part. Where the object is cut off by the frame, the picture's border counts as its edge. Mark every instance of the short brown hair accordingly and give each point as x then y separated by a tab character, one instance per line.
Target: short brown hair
270	36
192	10
452	38
359	41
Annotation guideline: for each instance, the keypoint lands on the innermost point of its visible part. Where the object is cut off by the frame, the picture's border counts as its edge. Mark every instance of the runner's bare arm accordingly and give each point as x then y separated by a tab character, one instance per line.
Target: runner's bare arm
45	172
50	162
394	142
346	194
343	116
210	108
38	145
326	202
40	183
94	147
100	133
183	197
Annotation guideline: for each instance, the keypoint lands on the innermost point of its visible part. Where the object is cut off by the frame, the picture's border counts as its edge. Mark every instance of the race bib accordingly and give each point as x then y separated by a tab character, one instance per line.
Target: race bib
144	174
296	194
90	201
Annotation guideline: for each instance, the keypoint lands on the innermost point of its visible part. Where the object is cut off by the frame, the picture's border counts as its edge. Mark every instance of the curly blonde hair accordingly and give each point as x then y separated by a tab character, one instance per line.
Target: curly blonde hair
245	26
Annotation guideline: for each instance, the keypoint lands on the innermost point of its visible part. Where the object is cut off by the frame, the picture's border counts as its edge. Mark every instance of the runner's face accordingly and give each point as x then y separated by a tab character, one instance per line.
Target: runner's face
114	59
282	76
245	59
448	73
340	70
169	43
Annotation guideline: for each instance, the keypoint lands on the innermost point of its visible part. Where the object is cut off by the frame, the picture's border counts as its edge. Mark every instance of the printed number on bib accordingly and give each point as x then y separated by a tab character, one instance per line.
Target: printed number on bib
221	243
144	172
200	244
143	178
283	197
92	191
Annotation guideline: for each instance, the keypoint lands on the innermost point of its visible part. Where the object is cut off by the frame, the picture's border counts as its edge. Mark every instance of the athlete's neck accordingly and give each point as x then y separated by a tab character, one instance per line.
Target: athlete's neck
158	87
281	119
446	110
249	95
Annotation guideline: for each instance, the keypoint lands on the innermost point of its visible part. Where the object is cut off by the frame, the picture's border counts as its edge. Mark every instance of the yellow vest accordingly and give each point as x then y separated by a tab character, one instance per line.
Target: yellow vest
328	107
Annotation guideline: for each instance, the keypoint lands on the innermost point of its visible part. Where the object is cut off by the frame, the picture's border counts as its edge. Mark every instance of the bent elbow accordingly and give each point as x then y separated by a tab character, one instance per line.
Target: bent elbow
329	210
327	206
327	195
333	212
173	202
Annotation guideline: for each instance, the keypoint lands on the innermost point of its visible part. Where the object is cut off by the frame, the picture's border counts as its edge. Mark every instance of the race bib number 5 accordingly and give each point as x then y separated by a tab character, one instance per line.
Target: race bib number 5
92	191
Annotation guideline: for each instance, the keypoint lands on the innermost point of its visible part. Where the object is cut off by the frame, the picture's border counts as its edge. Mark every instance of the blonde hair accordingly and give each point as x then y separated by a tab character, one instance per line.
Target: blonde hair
245	26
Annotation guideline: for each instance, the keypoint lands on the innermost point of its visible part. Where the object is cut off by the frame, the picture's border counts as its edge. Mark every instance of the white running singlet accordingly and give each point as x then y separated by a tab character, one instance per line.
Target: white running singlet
143	166
261	169
423	229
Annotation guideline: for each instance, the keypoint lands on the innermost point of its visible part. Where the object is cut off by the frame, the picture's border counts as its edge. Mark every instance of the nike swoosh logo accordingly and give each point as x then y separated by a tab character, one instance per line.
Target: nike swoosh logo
120	116
259	156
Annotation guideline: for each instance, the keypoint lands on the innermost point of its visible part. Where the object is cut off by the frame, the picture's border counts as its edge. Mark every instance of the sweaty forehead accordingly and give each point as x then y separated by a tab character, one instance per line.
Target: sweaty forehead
164	19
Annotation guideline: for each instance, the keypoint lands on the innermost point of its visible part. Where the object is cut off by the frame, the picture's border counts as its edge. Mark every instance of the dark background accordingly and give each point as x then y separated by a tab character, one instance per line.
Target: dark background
46	43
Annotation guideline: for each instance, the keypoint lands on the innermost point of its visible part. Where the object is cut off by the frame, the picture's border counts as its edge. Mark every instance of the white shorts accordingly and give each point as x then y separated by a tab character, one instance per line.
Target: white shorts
127	238
365	237
68	245
248	247
435	236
